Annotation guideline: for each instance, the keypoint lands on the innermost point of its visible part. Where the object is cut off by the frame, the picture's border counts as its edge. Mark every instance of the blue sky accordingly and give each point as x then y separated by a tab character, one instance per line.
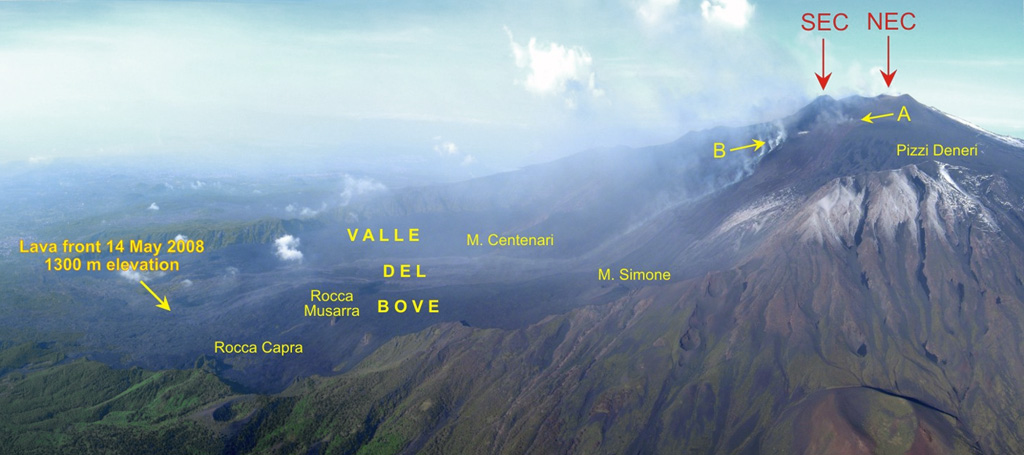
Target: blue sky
462	85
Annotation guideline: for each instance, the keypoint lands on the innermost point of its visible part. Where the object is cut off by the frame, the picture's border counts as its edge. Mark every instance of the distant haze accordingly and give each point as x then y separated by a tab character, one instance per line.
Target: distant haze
462	90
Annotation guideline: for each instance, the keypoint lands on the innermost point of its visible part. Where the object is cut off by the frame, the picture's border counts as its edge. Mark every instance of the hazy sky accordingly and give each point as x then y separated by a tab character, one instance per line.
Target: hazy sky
466	84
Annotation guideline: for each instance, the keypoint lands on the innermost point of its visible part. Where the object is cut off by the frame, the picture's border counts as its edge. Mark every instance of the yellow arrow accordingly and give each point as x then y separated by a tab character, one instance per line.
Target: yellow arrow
756	145
868	118
163	302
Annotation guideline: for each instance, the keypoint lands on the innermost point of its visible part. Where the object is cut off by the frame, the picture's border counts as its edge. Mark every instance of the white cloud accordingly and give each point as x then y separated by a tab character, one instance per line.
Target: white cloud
187	283
731	13
197	184
131	275
307	212
449	151
356	186
40	160
136	276
446	148
288	248
153	207
180	237
656	11
557	70
230	276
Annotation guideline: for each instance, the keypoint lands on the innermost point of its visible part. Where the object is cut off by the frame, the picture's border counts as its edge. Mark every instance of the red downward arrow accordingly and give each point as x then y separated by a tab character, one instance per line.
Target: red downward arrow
887	75
823	80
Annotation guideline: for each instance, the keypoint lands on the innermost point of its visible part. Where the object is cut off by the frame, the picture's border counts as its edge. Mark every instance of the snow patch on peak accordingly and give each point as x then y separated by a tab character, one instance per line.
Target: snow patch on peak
1008	140
945	175
958	203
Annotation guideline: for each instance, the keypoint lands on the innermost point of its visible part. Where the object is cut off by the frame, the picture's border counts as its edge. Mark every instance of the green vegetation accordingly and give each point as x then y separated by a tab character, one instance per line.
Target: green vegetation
386	444
26	354
86	407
